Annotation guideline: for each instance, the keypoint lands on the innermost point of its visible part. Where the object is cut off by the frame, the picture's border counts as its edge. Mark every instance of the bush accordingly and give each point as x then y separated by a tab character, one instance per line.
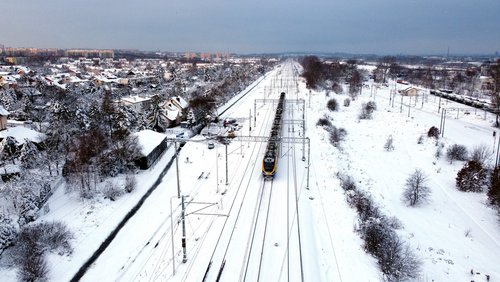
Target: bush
471	178
420	139
33	266
47	236
33	242
346	182
456	152
389	144
324	121
394	257
433	132
347	102
336	135
364	205
130	183
112	191
494	187
367	110
481	154
398	262
439	150
371	106
337	88
56	237
332	105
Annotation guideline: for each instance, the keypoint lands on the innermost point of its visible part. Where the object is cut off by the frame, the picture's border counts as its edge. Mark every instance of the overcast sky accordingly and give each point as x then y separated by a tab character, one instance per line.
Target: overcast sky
256	26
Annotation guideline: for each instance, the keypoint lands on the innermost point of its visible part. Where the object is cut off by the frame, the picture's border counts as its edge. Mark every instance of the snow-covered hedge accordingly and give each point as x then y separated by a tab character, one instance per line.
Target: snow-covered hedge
395	258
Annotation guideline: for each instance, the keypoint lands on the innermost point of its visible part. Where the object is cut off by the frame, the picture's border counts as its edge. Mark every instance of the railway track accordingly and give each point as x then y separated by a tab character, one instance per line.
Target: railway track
218	258
255	248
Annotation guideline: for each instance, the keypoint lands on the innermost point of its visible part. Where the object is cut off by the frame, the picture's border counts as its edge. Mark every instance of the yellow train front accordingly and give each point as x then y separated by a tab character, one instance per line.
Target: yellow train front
270	161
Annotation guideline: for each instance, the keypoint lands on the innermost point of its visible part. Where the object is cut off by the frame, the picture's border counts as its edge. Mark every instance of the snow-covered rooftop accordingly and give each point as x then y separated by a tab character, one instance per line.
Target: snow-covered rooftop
21	133
135	99
180	102
3	111
148	140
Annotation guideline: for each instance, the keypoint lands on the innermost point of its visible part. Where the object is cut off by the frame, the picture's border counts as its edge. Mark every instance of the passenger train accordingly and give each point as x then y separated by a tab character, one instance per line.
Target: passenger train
271	156
469	101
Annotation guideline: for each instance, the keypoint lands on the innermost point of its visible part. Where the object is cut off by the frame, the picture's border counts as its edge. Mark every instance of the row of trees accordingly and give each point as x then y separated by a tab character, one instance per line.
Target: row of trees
331	75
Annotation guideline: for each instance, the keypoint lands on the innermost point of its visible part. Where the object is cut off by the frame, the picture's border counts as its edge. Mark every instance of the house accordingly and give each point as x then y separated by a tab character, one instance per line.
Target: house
179	103
409	91
136	103
152	144
3	118
171	113
486	83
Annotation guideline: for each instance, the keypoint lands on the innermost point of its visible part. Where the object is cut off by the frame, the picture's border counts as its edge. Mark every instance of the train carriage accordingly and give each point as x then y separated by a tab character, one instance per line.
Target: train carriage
270	161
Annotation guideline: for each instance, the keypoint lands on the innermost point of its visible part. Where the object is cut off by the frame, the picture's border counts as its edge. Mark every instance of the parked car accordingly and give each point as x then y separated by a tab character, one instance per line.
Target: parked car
211	145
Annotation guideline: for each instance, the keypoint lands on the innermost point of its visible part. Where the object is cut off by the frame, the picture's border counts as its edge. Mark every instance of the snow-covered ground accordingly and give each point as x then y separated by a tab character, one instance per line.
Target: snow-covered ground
228	223
454	233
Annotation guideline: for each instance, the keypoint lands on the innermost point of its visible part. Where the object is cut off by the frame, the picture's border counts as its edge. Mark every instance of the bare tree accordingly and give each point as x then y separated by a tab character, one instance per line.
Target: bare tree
389	144
416	189
383	67
481	154
355	84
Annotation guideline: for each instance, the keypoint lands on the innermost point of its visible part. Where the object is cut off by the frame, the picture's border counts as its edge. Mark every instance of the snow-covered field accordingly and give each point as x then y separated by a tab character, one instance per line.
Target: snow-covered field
453	233
437	229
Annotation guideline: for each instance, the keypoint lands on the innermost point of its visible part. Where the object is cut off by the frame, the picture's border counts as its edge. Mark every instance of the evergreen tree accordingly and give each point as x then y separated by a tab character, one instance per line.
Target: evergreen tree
471	178
494	188
8	231
28	154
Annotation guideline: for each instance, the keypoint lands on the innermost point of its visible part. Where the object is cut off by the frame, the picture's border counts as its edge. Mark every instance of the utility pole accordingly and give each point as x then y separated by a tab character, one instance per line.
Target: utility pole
308	161
390	97
227	180
250	126
494	141
498	148
394	94
255	114
409	105
177	169
303	139
444	120
250	123
217	167
183	219
172	235
401	105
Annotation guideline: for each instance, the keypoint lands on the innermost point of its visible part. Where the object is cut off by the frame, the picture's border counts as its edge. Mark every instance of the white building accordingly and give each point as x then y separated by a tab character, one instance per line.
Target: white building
136	103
